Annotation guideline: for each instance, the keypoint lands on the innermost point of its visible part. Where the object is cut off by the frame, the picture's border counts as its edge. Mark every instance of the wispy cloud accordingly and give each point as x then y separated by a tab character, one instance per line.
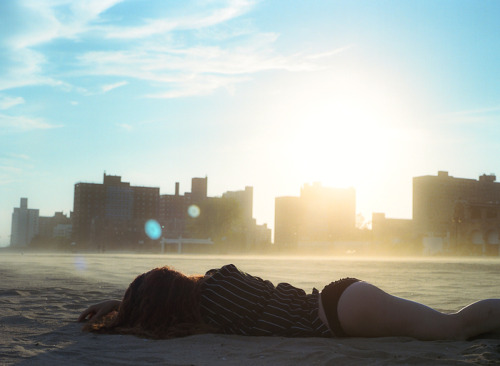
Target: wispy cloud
477	111
479	115
9	102
12	166
109	87
182	65
10	169
199	85
23	124
201	19
22	67
329	53
125	126
169	51
195	70
28	24
57	19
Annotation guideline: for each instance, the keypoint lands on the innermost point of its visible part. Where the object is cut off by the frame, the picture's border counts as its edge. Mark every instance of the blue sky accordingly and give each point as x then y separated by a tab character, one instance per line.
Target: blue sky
272	94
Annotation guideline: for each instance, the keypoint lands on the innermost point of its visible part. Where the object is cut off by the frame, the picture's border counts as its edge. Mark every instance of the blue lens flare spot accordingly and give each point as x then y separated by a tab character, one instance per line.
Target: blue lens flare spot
152	229
193	211
80	263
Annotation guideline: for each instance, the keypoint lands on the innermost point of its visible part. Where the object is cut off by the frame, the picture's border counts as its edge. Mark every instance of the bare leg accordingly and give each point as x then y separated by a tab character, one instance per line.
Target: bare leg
366	311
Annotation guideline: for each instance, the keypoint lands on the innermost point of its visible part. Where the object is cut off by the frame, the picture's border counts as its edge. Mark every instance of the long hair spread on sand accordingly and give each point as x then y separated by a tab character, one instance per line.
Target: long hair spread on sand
161	303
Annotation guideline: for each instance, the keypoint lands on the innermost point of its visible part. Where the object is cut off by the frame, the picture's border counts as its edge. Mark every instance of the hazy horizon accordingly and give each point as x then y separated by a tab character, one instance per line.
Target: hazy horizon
416	276
269	94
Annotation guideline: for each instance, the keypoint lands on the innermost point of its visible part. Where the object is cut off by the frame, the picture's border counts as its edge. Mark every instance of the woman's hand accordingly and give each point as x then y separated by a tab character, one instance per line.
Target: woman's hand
97	311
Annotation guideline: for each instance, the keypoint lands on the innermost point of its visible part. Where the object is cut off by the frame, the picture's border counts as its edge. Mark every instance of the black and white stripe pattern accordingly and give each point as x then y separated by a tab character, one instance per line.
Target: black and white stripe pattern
238	303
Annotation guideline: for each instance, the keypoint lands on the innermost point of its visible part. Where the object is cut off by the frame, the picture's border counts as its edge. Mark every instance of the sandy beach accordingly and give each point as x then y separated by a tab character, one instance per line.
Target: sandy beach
40	300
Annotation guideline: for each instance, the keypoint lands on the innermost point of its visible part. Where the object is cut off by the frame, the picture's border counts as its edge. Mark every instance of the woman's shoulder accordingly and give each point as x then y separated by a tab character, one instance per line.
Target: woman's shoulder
225	268
231	277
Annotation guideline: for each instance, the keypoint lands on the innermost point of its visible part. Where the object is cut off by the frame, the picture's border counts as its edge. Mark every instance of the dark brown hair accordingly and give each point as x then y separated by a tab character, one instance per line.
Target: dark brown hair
161	303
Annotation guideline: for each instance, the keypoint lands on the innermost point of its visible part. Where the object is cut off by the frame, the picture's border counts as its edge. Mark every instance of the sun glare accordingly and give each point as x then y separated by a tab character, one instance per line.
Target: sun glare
340	142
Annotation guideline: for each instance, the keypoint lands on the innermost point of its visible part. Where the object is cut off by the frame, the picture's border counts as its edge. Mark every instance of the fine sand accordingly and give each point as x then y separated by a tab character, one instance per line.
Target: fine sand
41	299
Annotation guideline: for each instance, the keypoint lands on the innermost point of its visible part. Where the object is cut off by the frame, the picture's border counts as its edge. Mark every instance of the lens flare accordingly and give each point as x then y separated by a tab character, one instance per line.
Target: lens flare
152	229
193	211
80	263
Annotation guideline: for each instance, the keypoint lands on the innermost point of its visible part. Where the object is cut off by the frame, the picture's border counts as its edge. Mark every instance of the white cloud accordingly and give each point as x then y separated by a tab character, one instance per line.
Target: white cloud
478	111
125	126
38	23
13	166
9	102
234	9
329	53
19	156
480	115
196	70
12	162
22	124
199	85
10	169
25	67
169	61
161	66
49	20
107	88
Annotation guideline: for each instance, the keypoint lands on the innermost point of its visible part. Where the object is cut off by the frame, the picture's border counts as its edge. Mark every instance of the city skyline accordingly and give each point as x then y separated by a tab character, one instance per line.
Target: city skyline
198	184
314	214
267	94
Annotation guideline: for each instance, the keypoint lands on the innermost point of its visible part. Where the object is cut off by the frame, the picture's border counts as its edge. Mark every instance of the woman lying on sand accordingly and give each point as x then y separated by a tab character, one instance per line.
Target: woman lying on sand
164	303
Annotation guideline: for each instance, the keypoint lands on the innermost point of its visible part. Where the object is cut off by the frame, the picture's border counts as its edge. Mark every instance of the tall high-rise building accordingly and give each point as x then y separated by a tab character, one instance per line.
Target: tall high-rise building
174	208
113	212
321	215
253	236
198	190
173	213
24	224
287	220
245	202
465	212
329	214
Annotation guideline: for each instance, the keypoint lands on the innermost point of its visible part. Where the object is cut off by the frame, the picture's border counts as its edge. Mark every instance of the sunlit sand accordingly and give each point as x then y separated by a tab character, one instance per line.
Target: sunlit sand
41	296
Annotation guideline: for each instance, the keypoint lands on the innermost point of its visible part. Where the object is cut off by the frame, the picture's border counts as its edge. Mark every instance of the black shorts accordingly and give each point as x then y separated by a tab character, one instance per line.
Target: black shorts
330	299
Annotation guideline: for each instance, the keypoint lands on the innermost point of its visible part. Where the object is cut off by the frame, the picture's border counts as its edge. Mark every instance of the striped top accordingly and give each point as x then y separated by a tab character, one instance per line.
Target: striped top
238	303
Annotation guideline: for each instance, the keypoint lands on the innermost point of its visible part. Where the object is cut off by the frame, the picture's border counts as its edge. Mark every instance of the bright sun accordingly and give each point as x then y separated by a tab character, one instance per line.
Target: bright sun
342	131
340	142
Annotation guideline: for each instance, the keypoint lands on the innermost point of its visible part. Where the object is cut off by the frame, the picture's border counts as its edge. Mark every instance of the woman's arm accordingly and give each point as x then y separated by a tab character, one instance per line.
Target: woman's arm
97	311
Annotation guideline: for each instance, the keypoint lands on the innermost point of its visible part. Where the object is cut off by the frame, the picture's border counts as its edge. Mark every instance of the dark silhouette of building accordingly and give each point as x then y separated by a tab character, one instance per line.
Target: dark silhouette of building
245	202
320	216
174	208
287	219
55	232
179	217
112	213
58	225
464	213
173	214
198	190
393	236
253	236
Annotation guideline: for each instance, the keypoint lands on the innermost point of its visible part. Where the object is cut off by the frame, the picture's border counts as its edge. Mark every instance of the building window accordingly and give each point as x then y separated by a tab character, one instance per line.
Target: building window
475	213
491	213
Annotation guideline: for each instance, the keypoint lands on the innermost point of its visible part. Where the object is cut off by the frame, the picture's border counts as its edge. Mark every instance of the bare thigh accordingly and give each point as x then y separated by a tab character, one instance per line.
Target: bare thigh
365	310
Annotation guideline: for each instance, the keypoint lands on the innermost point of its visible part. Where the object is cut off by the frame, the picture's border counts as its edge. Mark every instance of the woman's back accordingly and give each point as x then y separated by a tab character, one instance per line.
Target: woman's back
238	303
